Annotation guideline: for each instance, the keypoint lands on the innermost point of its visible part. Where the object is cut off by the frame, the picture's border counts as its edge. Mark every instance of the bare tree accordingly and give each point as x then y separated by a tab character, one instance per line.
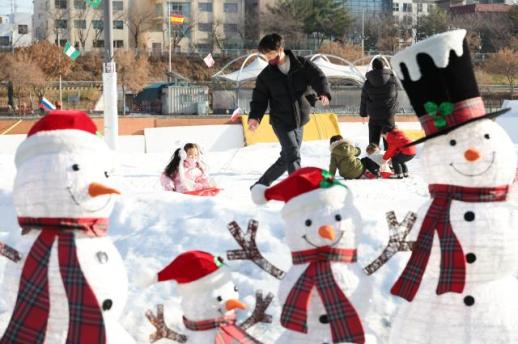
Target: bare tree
140	19
179	32
504	62
217	36
348	51
25	75
132	72
284	19
82	14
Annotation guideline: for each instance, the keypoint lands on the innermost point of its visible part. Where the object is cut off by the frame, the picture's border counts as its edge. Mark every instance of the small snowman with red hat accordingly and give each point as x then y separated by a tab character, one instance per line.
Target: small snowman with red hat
209	299
322	225
70	285
459	279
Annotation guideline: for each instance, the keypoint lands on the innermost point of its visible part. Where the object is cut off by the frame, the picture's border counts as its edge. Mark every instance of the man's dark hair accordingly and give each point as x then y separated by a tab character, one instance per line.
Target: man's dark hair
377	63
387	129
270	42
335	138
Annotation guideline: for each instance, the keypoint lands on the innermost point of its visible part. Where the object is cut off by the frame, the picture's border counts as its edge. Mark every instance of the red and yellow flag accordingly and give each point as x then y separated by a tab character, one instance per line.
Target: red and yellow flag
177	19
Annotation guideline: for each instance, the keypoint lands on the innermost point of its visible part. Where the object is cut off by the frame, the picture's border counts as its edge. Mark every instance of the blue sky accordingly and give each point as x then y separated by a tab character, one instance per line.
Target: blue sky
21	6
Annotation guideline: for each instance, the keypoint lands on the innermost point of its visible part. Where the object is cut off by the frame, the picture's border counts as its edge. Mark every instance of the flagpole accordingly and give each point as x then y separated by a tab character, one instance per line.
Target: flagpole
111	121
169	30
59	64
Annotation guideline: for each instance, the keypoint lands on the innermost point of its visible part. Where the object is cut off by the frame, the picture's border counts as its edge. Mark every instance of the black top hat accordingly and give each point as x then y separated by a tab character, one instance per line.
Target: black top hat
438	77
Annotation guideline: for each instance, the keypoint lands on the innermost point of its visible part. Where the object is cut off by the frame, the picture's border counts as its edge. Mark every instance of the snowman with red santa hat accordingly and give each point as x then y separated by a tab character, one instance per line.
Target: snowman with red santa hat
209	299
459	280
322	225
70	285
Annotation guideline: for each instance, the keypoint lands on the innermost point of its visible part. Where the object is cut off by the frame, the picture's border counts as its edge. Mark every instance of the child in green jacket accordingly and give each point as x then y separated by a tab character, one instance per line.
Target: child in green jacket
344	157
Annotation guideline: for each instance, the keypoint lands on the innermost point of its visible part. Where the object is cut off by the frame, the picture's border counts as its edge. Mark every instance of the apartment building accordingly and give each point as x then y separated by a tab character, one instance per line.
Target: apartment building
60	21
209	25
15	30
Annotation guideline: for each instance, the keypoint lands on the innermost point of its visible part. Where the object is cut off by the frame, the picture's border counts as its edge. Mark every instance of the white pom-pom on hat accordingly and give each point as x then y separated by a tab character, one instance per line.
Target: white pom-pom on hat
258	194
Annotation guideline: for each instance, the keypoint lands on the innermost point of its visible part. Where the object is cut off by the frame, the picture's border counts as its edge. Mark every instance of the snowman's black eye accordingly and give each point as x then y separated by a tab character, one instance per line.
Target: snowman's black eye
453	142
236	288
338	217
308	222
106	174
487	136
219	298
75	167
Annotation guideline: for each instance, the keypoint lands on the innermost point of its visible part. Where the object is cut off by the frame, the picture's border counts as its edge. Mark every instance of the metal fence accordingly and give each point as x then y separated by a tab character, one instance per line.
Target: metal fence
344	100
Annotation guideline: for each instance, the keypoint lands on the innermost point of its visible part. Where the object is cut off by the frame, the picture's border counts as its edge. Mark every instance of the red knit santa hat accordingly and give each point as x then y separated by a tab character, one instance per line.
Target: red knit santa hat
192	267
306	186
60	130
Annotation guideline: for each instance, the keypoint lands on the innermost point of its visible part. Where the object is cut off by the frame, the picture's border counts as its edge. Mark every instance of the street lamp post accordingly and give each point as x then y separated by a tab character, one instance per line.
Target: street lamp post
111	125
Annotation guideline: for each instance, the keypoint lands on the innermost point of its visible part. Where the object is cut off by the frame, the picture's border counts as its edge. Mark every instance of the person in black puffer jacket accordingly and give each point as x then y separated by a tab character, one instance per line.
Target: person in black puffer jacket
285	85
379	100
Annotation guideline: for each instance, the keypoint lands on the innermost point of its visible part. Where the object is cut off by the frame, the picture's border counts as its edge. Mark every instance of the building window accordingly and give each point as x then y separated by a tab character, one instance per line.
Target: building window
23	29
62	42
118	5
156	48
205	27
181	8
395	7
202	47
5	41
61	4
118	25
230	7
158	10
157	27
80	24
98	43
118	43
79	4
97	24
205	6
61	24
230	28
407	7
419	7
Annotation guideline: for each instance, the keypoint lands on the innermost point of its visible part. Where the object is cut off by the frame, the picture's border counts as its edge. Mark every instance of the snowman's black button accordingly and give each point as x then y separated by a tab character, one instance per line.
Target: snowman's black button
469	300
107	305
470	258
469	216
324	319
102	257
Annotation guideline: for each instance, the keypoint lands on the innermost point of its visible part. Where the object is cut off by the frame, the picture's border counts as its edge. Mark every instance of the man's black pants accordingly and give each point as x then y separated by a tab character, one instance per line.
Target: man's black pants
290	141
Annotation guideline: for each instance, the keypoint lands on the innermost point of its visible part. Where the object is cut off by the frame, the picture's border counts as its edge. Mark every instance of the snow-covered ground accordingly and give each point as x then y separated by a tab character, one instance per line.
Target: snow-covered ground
151	227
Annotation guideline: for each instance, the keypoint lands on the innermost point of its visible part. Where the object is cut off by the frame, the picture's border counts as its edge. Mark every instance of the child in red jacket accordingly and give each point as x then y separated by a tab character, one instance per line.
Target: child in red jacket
397	151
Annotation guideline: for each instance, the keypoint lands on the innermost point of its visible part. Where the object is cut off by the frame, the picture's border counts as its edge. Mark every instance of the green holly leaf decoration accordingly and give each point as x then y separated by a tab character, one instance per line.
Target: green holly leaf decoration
439	112
329	180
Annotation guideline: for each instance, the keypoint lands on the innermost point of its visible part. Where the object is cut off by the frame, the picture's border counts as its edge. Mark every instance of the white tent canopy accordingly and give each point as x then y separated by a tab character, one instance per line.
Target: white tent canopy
331	70
249	72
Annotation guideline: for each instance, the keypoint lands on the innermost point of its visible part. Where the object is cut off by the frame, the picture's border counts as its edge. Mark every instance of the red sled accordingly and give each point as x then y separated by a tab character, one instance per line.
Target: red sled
386	175
208	192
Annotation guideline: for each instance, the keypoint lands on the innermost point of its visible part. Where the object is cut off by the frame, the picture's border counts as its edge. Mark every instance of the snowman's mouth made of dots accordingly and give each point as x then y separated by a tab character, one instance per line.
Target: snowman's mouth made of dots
305	237
475	174
69	189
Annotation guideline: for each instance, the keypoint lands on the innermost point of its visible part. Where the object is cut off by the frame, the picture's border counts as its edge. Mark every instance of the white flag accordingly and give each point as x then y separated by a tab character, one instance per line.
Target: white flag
209	61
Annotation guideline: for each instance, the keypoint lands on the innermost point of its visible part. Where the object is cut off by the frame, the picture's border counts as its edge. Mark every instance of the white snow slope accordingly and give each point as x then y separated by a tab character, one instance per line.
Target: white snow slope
151	227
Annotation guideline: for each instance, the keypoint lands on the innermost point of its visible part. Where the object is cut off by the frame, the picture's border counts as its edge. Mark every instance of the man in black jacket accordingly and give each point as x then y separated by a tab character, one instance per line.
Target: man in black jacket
379	100
284	85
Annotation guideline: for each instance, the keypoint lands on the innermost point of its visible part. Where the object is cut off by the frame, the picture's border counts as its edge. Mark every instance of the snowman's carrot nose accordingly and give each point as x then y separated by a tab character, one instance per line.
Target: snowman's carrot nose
96	189
327	232
233	304
472	154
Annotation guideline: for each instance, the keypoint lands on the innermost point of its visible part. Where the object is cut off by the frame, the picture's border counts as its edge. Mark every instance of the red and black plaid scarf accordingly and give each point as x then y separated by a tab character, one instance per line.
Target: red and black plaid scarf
28	322
453	266
343	319
228	331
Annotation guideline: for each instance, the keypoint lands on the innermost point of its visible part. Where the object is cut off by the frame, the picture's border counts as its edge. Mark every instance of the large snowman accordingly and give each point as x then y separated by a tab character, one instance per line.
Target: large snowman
459	280
71	285
209	299
321	226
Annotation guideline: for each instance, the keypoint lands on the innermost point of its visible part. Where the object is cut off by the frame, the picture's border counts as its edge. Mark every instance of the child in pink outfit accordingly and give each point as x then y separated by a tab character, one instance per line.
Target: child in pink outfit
186	172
